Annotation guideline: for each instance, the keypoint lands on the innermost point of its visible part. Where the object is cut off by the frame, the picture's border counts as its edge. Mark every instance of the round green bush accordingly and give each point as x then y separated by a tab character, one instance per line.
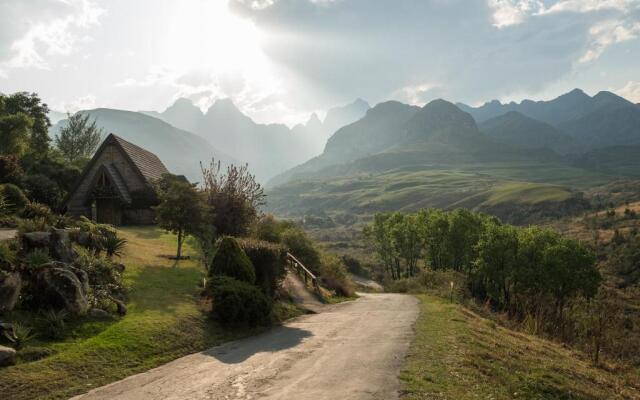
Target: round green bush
14	196
42	189
239	303
230	260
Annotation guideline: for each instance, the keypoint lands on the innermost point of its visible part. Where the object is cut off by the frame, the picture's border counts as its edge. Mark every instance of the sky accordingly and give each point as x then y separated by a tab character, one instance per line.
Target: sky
280	60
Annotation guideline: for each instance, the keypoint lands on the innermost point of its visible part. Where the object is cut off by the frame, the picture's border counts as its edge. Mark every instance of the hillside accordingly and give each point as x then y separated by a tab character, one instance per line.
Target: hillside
521	131
179	150
458	354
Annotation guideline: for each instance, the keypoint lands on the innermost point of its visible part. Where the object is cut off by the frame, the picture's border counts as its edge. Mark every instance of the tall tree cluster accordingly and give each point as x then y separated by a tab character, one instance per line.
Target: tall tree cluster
79	139
518	270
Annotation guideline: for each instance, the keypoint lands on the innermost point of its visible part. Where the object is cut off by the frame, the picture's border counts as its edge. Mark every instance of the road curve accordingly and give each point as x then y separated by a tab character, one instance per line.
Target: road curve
352	350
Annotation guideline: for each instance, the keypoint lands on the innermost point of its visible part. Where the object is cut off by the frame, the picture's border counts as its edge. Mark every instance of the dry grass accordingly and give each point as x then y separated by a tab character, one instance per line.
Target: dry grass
459	355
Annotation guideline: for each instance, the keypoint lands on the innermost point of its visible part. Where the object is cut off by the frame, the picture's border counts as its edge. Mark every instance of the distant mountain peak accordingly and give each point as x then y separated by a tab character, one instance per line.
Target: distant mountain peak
313	120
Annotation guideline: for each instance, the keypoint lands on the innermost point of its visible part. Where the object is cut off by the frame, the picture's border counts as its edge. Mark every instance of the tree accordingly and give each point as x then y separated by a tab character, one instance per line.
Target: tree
180	210
235	198
79	138
14	133
30	105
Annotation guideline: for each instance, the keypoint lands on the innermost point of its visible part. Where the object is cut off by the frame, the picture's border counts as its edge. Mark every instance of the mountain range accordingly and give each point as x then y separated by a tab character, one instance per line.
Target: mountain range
180	151
269	149
400	156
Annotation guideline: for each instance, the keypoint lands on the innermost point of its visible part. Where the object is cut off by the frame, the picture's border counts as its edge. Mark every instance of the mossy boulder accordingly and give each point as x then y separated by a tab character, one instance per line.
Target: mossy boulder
230	260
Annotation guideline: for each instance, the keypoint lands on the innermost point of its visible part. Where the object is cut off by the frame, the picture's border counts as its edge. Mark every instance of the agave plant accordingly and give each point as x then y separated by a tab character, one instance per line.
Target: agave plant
113	245
19	334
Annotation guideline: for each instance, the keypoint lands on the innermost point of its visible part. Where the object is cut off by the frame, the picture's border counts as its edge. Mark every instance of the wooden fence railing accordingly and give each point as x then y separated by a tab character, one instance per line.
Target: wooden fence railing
304	272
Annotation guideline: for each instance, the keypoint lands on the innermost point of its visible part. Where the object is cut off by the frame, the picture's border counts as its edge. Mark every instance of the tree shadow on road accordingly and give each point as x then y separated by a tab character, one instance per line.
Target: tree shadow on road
278	339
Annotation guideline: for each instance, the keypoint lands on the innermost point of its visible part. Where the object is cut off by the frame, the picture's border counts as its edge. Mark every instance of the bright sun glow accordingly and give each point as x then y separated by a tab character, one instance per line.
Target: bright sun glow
208	43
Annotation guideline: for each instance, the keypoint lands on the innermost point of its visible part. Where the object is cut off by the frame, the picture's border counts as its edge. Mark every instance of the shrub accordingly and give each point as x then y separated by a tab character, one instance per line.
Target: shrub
33	225
37	210
230	260
54	323
10	170
335	277
299	244
5	206
37	257
269	260
105	281
7	254
237	302
15	197
43	190
93	234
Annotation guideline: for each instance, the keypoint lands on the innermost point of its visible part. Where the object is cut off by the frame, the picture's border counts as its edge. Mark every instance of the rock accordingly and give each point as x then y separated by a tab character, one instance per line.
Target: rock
6	328
121	308
7	356
61	288
82	276
83	239
60	246
118	267
35	240
97	313
10	285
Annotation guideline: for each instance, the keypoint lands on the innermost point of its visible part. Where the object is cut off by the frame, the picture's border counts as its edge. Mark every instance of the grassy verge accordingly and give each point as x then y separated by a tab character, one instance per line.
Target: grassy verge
163	323
459	355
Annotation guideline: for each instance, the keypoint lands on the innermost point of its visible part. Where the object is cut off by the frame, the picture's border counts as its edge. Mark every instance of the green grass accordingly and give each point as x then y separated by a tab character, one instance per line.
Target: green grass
459	355
163	323
527	193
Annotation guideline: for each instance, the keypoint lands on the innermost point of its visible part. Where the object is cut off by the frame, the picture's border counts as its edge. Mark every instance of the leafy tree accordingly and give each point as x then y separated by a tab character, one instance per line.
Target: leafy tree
10	170
14	133
180	210
497	259
299	244
235	198
79	138
30	105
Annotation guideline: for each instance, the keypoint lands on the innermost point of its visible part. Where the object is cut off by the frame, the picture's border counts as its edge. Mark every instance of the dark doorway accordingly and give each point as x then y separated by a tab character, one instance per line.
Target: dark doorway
108	211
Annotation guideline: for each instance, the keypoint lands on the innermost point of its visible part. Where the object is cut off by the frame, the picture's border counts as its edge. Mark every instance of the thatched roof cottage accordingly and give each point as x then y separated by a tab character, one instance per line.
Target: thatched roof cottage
116	187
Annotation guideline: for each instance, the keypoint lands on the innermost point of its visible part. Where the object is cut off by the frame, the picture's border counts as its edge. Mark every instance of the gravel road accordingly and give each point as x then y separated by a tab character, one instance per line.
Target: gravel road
352	350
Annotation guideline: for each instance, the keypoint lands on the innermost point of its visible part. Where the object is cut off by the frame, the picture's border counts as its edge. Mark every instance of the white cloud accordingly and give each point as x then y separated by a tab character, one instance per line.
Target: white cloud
46	27
583	6
415	94
512	12
81	103
607	33
630	91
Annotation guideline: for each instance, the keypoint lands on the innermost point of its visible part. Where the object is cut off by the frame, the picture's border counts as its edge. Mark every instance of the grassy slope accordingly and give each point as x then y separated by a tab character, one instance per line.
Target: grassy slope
417	186
163	323
527	193
459	355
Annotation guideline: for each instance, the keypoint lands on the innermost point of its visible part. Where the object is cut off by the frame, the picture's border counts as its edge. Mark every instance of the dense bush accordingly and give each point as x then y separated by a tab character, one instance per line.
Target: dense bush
269	260
10	170
230	260
14	196
35	210
237	302
105	281
299	244
41	189
335	277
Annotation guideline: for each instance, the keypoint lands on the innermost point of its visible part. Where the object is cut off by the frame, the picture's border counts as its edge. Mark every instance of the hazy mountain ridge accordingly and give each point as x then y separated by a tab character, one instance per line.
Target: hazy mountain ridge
519	130
269	149
603	120
393	134
179	150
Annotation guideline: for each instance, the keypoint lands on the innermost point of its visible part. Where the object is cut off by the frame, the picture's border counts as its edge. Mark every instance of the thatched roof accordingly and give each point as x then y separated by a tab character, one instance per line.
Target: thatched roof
147	163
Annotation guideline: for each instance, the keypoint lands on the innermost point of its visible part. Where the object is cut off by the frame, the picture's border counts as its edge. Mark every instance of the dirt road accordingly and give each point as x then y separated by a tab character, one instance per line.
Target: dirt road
352	350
